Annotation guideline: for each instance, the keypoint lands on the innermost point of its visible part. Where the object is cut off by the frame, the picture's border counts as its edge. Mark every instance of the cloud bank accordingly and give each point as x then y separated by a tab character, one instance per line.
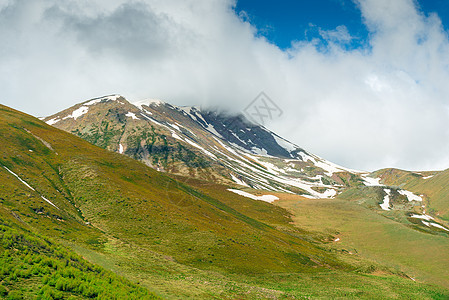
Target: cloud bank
383	105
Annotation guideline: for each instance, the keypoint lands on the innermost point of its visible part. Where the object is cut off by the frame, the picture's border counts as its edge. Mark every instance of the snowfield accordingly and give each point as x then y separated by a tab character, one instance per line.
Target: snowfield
410	196
369	181
428	224
386	204
77	113
424	217
266	198
132	115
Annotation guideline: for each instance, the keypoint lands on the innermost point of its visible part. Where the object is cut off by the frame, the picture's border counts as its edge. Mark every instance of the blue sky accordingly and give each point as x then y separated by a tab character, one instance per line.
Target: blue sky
284	21
362	100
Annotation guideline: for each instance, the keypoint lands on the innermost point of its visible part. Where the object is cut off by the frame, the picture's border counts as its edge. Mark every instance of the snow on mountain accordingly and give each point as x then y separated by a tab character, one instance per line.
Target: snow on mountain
82	109
148	102
189	140
410	196
266	198
369	181
386	204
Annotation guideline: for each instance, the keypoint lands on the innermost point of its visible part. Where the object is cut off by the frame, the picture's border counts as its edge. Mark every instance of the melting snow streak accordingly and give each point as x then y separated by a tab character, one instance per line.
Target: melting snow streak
266	198
25	183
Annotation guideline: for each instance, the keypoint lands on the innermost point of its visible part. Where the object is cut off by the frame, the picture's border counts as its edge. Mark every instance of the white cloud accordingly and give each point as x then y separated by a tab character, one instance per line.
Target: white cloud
386	105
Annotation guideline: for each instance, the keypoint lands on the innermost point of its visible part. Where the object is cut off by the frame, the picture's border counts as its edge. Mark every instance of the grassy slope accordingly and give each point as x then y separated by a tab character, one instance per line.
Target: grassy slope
376	236
32	266
199	242
137	204
435	189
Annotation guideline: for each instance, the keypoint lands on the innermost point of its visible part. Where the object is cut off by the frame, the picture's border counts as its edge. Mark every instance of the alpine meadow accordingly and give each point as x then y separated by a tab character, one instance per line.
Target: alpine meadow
246	176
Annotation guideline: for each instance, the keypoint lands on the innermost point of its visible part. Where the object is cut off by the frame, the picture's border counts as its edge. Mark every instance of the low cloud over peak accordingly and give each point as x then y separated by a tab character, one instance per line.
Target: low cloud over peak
384	104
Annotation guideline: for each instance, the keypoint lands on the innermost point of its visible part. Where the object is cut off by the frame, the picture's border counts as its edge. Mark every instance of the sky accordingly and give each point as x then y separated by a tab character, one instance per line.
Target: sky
362	83
285	21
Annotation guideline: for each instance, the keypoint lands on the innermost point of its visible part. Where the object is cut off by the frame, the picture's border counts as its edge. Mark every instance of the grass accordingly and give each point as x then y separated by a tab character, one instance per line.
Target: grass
35	267
178	238
434	189
375	236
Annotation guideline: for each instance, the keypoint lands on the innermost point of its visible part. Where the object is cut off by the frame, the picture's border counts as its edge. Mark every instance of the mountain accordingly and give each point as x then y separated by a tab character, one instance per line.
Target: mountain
185	238
73	183
204	144
228	149
431	184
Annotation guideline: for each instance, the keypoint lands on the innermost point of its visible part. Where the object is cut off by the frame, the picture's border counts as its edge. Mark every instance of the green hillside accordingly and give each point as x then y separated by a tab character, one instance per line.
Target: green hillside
433	185
384	237
177	238
36	267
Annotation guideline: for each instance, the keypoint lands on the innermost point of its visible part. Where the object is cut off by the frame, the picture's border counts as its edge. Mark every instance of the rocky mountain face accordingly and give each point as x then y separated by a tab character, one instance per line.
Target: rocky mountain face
204	144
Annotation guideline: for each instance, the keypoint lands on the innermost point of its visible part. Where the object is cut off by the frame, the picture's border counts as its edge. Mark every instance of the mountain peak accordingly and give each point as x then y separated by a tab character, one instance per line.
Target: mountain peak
81	109
113	97
203	143
148	102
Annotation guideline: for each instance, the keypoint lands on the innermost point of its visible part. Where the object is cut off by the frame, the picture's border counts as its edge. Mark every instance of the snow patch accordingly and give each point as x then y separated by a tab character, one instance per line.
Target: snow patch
212	130
20	179
201	148
173	134
146	111
92	102
259	151
27	185
266	198
48	201
428	224
238	181
226	147
284	143
439	226
410	196
53	121
175	126
132	115
98	100
148	102
197	114
329	193
77	113
329	167
369	181
424	217
428	177
120	149
386	204
153	120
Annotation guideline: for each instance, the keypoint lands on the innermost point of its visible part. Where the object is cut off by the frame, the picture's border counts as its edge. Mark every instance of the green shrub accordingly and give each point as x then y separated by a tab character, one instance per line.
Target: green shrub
60	271
3	291
14	295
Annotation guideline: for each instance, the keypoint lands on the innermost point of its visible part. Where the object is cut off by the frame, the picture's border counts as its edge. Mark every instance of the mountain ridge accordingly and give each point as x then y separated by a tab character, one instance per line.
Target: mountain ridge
242	152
